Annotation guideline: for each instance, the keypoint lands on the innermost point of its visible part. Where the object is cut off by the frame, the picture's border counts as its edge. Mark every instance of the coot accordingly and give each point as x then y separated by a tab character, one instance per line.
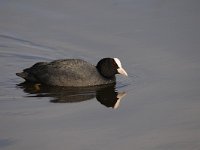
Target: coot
74	72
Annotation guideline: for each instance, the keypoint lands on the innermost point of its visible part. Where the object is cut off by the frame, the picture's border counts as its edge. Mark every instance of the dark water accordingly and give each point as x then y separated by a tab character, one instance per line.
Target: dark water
158	43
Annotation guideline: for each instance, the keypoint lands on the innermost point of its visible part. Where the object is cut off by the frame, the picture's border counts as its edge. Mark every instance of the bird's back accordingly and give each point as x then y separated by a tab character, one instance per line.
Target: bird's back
66	72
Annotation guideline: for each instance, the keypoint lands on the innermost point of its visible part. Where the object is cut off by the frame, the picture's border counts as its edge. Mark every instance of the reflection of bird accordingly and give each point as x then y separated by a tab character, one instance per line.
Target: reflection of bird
105	94
74	72
109	97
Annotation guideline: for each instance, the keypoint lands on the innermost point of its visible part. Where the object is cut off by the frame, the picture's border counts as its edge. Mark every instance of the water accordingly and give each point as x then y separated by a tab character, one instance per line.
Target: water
157	43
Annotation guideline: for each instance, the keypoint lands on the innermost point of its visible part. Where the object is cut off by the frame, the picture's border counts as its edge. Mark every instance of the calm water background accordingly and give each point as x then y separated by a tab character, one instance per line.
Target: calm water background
158	43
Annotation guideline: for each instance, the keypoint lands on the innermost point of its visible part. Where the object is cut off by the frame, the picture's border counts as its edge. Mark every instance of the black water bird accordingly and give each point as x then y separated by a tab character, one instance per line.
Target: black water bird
74	72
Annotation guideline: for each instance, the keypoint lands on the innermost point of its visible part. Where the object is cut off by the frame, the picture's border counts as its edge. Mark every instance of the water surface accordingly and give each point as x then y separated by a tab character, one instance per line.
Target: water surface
157	43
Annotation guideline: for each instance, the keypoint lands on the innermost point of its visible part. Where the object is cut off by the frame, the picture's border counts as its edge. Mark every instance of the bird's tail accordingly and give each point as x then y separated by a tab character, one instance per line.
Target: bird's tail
22	75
